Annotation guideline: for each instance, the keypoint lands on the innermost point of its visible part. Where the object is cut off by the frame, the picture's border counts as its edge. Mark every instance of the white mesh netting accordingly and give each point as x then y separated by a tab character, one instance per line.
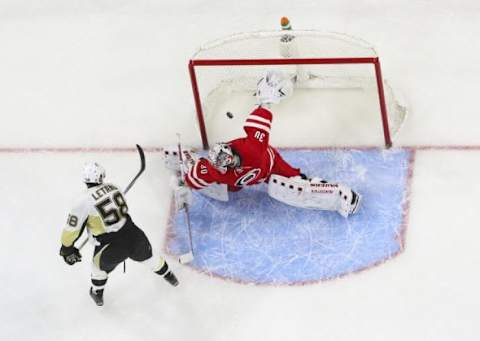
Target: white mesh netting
220	84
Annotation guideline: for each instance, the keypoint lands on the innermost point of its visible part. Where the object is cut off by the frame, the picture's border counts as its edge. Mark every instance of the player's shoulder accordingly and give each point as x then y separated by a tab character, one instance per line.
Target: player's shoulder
238	144
204	163
106	186
200	168
93	193
207	170
111	187
200	174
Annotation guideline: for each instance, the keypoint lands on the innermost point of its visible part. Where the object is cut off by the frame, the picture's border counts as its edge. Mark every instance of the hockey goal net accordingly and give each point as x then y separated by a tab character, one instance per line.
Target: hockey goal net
338	78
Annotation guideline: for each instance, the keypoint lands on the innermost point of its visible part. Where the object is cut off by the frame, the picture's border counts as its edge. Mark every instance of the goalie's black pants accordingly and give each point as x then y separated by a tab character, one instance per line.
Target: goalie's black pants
128	242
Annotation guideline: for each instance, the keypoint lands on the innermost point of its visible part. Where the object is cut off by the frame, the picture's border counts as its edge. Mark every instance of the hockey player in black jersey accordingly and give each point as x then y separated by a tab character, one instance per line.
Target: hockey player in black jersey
103	211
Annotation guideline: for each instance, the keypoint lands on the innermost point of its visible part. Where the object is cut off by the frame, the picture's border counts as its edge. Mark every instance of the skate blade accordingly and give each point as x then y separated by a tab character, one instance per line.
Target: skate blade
98	301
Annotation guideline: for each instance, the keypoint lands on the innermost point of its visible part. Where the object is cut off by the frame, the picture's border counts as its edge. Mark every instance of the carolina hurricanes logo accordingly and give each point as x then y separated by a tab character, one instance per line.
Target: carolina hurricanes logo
248	177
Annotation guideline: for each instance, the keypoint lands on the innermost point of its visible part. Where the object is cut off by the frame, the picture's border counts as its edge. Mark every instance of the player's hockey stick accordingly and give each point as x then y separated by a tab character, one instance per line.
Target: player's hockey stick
142	169
186	257
132	182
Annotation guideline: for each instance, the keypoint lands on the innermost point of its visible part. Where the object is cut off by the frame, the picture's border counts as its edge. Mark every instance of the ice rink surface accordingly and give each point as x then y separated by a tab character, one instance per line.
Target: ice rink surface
87	80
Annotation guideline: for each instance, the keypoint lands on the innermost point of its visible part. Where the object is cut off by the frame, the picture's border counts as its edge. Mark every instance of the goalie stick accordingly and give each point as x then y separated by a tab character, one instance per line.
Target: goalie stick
132	182
186	257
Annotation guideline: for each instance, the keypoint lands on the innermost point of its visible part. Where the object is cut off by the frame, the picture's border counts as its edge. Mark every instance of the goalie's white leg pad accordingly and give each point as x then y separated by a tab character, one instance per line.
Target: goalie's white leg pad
314	194
215	191
182	196
172	160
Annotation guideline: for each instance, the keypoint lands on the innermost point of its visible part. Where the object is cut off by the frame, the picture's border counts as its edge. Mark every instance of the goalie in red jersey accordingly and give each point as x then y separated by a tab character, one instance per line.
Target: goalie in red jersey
250	160
245	161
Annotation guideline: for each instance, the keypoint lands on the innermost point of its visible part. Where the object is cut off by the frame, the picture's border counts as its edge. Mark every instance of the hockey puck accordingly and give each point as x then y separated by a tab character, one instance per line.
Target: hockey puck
229	114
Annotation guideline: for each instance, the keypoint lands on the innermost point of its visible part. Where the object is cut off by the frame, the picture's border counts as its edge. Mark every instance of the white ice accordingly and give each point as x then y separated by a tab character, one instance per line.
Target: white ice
114	73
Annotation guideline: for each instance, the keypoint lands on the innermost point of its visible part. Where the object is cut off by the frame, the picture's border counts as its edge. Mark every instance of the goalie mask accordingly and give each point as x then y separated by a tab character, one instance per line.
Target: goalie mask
93	173
221	155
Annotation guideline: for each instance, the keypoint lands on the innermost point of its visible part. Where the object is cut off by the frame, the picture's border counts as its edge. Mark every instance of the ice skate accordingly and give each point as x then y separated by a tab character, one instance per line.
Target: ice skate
97	296
170	278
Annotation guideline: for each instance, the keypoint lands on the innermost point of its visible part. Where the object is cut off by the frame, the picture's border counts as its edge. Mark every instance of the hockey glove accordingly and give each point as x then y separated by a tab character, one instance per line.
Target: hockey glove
273	87
172	160
70	254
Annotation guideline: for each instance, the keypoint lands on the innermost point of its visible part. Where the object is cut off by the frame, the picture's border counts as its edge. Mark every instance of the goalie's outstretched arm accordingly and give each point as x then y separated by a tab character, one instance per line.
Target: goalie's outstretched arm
258	125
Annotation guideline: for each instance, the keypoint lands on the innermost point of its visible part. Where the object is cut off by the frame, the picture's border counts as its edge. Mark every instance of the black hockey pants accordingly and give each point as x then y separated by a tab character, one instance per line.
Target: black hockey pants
128	242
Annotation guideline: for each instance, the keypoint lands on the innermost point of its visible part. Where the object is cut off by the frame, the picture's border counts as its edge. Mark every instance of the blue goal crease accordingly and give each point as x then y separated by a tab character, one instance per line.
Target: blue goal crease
253	238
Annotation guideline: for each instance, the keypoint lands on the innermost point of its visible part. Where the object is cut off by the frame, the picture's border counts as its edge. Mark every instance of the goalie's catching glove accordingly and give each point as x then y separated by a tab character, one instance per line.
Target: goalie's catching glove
273	87
70	254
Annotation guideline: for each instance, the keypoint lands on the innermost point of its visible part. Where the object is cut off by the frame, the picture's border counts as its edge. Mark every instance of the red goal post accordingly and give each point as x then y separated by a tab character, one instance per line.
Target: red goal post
204	58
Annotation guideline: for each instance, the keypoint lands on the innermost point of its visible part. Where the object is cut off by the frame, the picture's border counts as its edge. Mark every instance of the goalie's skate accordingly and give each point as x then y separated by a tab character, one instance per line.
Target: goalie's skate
355	203
97	296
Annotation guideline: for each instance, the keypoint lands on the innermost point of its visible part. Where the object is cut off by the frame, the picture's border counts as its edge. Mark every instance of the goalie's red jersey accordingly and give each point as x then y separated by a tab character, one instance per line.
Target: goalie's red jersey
258	160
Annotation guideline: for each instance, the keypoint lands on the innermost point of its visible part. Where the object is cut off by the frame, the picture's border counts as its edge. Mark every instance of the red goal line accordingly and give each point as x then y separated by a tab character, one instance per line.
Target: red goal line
153	149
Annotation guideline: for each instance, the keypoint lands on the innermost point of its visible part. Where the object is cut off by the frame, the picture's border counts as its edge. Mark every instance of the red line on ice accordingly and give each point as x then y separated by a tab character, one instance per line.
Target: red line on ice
26	150
153	149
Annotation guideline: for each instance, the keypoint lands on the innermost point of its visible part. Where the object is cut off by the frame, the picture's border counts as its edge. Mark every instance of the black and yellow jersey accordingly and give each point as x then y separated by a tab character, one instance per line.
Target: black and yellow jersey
101	209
